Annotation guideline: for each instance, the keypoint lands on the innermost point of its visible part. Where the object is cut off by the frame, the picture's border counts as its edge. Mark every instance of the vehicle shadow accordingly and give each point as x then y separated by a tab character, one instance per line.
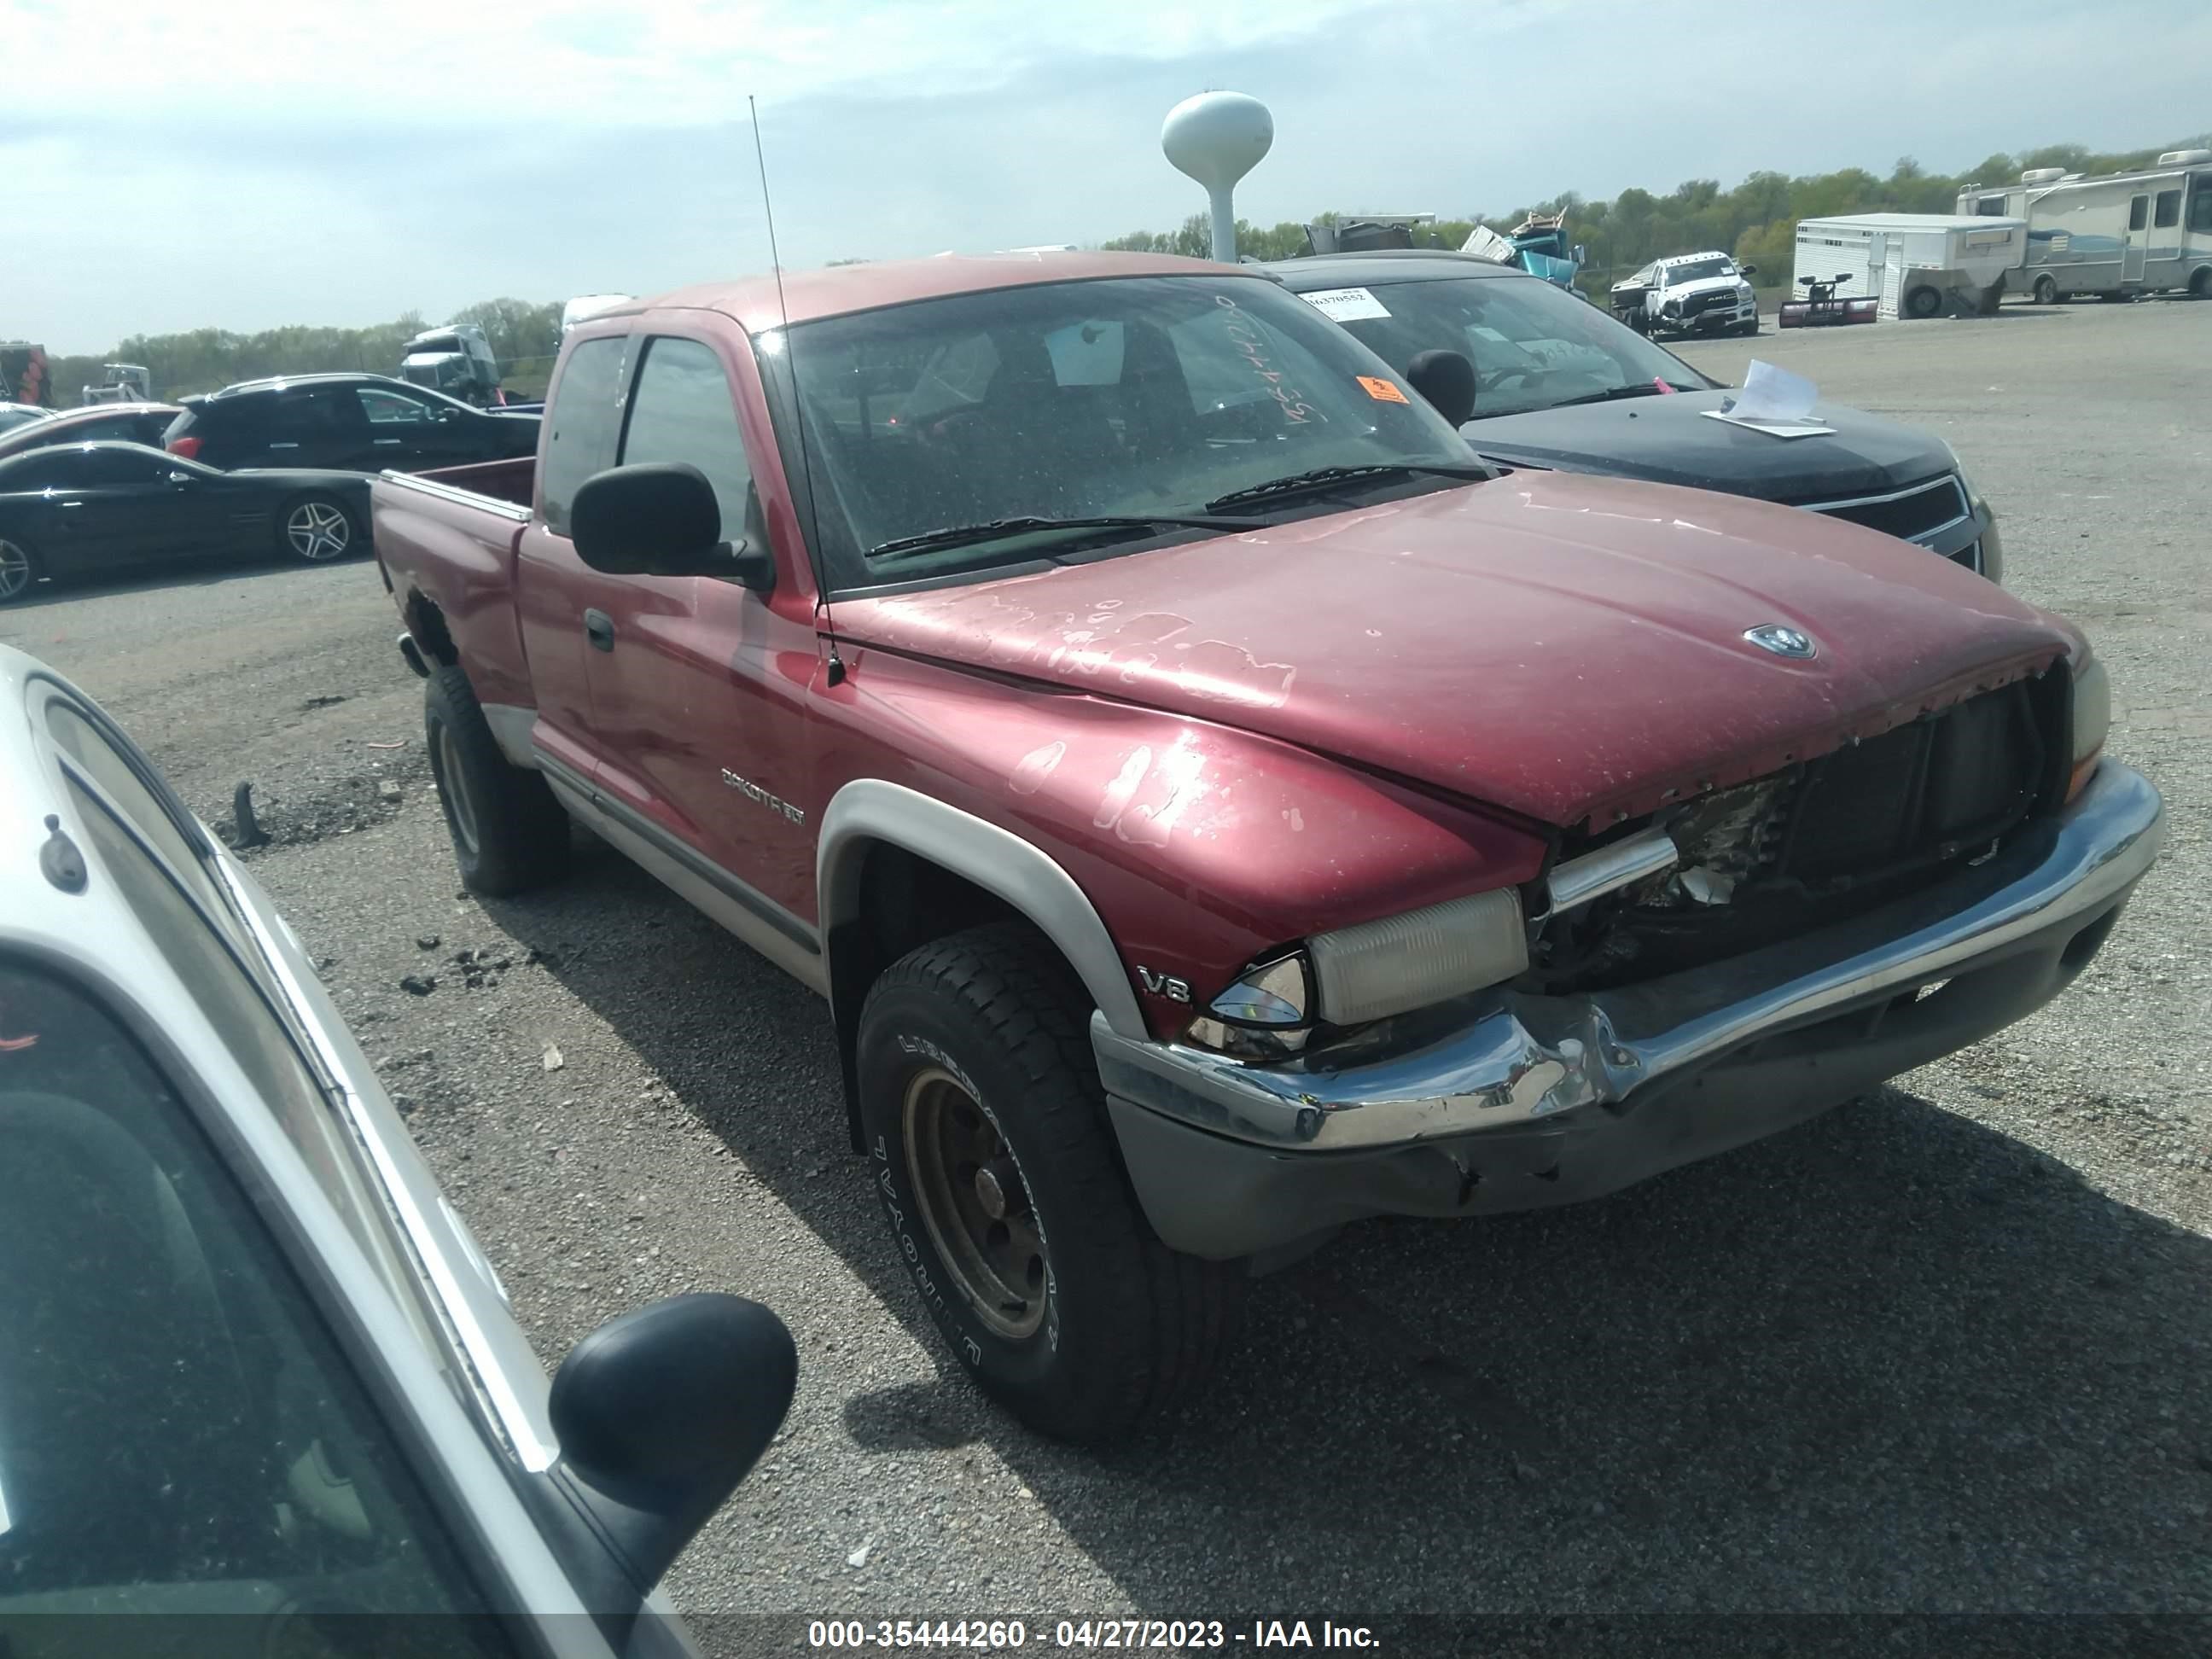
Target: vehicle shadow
1894	1360
202	571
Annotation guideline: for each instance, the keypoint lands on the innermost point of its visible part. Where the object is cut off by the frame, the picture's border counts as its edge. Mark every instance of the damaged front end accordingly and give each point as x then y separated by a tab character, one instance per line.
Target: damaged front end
1742	868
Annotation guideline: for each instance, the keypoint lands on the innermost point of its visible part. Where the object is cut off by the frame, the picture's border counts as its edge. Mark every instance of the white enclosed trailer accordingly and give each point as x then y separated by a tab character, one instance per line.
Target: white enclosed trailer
1916	264
2115	233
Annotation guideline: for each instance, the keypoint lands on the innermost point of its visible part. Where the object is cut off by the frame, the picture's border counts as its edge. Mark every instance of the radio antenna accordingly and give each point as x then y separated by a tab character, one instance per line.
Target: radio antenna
835	668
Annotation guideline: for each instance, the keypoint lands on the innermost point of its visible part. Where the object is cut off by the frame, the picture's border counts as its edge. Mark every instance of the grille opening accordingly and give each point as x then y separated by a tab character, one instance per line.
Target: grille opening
1822	842
1916	512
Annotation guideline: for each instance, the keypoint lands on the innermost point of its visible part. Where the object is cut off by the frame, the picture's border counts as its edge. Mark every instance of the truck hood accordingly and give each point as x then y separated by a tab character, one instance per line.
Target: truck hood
1566	648
1667	439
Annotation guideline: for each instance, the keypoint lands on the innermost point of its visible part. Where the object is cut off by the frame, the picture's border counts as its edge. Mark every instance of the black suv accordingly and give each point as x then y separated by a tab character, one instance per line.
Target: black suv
356	423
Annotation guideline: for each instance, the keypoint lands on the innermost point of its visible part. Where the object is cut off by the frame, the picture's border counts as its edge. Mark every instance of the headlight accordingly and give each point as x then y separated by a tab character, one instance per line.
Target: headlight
2092	718
1421	957
1959	471
1359	974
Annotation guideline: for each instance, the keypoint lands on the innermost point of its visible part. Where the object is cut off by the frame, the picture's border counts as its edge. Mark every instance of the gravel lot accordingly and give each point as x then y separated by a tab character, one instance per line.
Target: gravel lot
1947	1349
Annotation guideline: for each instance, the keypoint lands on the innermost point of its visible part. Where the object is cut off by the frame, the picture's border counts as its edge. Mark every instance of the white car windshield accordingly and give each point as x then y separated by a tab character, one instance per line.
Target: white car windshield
1697	271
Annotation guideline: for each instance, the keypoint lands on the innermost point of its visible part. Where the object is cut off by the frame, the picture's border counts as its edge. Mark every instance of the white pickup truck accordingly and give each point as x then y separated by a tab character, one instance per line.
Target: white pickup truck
1691	294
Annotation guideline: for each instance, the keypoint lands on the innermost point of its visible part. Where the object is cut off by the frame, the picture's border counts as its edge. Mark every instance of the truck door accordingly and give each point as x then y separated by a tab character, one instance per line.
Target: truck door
2137	242
699	686
554	592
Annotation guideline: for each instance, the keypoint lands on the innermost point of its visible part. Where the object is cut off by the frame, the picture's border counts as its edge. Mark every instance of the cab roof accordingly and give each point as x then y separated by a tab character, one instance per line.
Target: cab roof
809	295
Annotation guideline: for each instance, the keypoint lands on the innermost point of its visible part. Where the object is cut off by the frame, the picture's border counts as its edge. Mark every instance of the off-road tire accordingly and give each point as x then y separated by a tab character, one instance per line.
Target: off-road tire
1129	1327
509	834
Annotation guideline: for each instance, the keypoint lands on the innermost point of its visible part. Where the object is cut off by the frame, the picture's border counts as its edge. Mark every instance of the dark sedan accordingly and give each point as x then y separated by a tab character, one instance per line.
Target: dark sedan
96	509
134	423
1560	384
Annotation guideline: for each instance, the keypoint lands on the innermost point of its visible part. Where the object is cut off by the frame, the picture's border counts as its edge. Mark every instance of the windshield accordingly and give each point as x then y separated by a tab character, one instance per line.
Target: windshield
1696	271
179	1432
1533	346
1127	398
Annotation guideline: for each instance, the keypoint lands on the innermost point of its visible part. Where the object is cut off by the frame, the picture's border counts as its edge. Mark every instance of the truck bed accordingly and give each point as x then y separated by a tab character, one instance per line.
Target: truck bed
446	541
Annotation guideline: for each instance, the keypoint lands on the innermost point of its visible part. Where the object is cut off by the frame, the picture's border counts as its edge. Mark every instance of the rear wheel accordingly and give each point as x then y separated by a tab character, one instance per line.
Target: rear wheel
19	570
2047	291
996	1166
509	833
2200	284
1923	302
317	529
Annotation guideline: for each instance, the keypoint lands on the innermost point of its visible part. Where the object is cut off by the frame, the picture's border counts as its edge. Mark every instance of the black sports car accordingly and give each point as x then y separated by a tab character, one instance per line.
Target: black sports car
74	510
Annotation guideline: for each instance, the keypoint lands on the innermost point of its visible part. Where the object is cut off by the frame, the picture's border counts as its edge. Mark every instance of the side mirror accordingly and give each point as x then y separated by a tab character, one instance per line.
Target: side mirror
659	1413
661	518
1581	258
1749	270
1447	380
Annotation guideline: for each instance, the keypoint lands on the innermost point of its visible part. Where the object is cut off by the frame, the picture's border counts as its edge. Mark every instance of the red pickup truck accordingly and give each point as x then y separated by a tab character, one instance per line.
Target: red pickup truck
1217	806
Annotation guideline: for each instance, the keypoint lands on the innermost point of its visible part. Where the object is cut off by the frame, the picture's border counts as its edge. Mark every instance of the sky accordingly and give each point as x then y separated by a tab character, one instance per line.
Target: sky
250	163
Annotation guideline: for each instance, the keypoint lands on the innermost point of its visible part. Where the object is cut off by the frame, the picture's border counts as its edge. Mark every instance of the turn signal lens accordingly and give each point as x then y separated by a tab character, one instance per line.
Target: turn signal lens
2092	720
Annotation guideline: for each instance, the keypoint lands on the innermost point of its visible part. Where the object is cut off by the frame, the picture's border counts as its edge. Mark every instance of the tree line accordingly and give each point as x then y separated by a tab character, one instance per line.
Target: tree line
525	337
1757	221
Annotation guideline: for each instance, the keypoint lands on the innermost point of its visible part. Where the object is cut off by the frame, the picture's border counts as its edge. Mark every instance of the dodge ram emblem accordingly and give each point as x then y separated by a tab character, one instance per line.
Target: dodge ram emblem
1783	641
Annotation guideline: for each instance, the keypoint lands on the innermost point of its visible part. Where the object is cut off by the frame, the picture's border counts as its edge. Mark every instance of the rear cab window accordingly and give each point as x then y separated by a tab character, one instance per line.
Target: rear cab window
582	420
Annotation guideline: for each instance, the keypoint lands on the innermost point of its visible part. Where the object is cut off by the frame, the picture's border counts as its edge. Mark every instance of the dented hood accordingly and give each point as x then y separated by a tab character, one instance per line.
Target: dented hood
1564	647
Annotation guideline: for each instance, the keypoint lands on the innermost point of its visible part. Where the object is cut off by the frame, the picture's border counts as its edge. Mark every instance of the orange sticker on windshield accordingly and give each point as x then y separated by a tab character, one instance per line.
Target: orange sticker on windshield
1382	392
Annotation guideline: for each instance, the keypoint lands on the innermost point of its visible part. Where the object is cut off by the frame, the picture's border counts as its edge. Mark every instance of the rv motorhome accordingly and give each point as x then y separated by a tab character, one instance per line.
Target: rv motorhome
2120	234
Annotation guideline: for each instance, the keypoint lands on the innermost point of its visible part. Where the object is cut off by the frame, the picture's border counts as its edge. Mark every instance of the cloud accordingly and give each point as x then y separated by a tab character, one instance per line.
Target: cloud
380	160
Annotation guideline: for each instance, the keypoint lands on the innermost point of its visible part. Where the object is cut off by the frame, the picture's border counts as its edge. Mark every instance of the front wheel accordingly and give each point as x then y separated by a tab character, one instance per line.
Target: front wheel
990	1153
19	571
1922	302
318	529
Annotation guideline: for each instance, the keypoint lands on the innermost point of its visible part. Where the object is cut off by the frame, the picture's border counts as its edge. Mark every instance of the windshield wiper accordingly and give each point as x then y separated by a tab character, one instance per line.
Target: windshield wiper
963	535
1633	389
1327	477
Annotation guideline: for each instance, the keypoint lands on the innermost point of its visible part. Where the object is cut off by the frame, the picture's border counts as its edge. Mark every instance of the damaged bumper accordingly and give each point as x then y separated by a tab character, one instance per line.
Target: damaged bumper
1511	1101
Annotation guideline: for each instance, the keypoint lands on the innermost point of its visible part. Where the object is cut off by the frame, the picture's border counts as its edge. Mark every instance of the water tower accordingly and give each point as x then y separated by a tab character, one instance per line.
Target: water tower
1217	138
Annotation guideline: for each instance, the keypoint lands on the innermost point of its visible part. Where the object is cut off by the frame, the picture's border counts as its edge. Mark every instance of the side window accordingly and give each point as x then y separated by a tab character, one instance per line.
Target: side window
316	412
2200	206
2138	210
49	469
1990	207
2169	209
121	467
680	410
580	424
390	407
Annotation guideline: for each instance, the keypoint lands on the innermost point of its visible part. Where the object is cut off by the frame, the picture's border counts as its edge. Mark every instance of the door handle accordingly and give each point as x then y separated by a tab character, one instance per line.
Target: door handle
599	629
388	443
283	445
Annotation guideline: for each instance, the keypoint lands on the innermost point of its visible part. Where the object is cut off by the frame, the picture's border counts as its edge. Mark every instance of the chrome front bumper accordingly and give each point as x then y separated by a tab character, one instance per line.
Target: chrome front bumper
1506	1060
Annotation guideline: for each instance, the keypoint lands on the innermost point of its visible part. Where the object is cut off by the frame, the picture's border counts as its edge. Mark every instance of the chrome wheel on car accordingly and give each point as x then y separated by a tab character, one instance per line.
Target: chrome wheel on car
975	1203
15	573
319	532
453	784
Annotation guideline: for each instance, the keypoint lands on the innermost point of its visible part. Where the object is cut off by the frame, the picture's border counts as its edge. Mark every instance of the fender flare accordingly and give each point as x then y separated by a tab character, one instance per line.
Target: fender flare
999	862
